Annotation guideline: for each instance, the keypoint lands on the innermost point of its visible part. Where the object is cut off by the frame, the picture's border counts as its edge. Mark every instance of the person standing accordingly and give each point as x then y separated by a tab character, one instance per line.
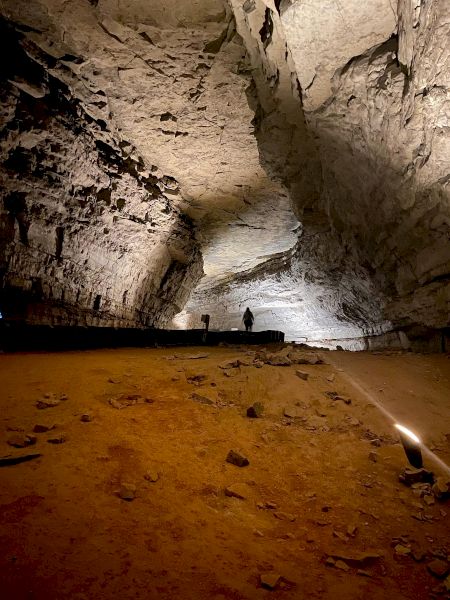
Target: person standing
248	319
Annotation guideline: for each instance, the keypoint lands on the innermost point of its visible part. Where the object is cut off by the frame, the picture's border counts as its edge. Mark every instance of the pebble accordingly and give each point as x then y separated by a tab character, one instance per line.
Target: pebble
237	459
86	418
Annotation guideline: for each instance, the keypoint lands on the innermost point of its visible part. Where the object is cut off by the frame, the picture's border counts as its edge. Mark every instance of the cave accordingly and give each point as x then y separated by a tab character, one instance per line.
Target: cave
165	165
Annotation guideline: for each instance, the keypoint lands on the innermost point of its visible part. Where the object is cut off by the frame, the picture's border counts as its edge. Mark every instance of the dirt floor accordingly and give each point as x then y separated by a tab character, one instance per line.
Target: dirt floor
323	514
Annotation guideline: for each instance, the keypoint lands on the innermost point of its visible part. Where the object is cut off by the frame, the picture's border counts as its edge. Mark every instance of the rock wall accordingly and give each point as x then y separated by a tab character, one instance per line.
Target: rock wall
89	235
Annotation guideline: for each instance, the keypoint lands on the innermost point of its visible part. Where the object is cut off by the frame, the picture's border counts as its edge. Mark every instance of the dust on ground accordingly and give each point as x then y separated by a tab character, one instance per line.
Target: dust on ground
319	511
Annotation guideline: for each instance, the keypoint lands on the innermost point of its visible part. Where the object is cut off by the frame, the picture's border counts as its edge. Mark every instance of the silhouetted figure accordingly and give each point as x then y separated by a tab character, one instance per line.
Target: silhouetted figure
248	319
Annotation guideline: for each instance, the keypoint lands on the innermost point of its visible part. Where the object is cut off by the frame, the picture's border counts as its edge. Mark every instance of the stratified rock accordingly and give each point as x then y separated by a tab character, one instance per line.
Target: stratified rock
235	458
256	410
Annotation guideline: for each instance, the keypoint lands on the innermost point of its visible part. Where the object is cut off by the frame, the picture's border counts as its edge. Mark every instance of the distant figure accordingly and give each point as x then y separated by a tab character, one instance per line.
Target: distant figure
248	319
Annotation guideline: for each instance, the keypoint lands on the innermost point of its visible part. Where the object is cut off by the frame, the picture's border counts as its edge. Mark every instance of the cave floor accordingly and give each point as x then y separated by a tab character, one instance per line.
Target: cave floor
315	486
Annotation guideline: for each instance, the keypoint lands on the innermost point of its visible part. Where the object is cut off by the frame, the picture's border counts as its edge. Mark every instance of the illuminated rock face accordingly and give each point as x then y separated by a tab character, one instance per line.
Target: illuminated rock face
299	149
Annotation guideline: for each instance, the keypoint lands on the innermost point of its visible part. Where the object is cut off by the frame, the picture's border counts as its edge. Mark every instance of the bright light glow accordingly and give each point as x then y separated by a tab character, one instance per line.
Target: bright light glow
412	436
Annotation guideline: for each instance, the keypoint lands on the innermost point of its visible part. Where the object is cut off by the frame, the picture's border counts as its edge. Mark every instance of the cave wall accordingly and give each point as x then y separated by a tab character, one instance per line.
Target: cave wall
88	233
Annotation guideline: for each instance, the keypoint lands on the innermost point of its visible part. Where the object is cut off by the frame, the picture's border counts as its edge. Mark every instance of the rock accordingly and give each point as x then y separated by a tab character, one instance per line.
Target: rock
127	491
340	564
111	380
269	580
373	456
283	516
336	397
441	488
230	364
195	379
293	412
237	459
86	418
376	442
447	584
411	475
363	573
47	403
43	428
201	399
359	559
126	400
63	397
302	375
152	475
237	490
438	568
21	441
192	356
255	411
6	461
57	440
276	360
351	530
331	378
402	550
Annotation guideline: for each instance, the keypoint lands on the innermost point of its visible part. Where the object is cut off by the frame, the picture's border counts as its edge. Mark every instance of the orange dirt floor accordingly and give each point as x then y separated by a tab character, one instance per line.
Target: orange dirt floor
316	485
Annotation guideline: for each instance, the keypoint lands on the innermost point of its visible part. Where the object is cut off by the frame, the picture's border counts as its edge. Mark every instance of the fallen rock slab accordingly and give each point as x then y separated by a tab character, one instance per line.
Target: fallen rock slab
237	459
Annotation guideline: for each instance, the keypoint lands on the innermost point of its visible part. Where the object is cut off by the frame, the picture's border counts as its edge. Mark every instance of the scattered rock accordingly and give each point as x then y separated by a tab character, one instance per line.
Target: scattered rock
438	568
6	461
47	402
256	410
340	564
152	475
283	516
293	412
361	559
21	441
269	580
237	459
402	550
86	418
302	375
127	491
237	490
57	440
43	428
126	400
373	456
201	399
441	488
196	379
